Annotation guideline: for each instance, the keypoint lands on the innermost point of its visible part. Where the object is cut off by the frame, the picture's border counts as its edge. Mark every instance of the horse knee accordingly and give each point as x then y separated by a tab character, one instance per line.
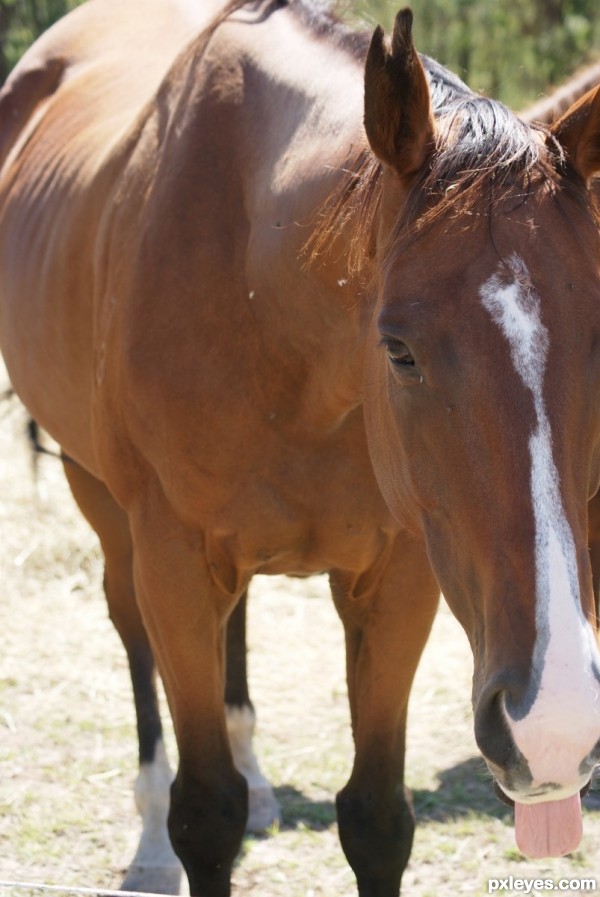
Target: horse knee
206	825
376	832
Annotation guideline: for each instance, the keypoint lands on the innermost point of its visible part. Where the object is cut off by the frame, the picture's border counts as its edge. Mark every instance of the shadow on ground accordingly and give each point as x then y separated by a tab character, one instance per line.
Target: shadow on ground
299	810
466	789
463	790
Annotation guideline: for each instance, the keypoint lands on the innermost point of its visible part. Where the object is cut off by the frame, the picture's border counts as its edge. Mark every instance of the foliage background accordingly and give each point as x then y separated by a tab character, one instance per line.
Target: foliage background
512	51
21	21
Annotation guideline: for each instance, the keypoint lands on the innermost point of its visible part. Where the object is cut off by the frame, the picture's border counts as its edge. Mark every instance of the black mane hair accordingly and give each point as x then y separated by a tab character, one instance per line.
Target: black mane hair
483	150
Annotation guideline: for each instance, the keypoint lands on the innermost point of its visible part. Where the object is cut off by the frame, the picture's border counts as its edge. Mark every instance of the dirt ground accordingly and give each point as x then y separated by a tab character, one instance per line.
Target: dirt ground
68	750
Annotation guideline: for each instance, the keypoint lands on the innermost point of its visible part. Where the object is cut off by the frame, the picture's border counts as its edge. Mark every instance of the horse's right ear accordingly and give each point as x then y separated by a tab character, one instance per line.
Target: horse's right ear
578	132
398	119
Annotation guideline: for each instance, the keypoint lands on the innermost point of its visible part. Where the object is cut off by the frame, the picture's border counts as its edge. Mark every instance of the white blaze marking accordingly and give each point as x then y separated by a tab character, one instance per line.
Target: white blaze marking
562	725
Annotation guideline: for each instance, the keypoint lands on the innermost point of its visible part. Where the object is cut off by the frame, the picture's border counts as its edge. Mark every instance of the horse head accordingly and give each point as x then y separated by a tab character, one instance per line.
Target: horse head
481	402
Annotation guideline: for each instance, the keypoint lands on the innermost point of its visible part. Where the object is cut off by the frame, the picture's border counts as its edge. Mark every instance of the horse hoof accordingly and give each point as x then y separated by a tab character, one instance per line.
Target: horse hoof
263	810
153	879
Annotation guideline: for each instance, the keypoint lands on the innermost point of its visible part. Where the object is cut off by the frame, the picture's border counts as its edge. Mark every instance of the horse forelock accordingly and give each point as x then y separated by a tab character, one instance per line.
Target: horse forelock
484	153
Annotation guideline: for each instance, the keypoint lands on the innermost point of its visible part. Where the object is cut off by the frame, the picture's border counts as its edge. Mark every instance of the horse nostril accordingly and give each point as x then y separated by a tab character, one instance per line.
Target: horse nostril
493	736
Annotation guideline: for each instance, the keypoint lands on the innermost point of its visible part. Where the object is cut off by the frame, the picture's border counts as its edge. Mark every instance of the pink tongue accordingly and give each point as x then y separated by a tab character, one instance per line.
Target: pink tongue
550	829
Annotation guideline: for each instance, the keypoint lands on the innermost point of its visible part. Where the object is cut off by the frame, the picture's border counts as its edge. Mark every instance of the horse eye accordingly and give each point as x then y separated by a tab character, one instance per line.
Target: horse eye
399	354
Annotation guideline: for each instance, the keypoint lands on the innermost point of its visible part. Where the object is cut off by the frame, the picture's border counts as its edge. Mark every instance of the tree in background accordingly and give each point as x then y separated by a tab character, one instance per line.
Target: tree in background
512	51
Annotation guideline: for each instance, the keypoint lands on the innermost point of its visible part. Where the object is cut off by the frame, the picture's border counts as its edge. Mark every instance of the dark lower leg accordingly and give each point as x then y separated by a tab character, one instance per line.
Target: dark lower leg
263	808
186	613
155	867
111	524
376	826
143	681
387	619
236	677
206	826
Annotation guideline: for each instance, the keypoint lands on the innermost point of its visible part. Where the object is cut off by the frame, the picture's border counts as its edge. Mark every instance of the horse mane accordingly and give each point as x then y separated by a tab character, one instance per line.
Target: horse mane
321	18
483	149
324	19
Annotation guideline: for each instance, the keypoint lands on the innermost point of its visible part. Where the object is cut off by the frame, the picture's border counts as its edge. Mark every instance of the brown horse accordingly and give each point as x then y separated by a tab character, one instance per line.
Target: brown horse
214	292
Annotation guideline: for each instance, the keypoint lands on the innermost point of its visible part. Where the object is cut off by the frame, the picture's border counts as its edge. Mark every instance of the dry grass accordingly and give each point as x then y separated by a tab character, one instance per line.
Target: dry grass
67	744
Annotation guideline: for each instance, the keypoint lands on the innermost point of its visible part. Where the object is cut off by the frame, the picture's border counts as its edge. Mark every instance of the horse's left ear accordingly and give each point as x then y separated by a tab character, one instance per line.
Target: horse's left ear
398	119
578	131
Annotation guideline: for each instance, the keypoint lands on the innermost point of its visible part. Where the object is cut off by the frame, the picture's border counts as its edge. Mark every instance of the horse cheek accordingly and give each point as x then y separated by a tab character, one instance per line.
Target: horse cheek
387	441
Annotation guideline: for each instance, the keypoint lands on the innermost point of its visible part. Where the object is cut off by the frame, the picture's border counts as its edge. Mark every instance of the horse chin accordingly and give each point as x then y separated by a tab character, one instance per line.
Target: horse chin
583	791
505	799
502	797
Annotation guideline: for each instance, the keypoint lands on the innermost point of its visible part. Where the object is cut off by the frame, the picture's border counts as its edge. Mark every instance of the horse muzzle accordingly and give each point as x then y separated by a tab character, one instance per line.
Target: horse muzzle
540	770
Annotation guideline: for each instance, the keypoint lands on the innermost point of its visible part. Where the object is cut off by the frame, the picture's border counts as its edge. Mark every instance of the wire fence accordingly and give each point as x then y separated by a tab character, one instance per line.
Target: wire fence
41	888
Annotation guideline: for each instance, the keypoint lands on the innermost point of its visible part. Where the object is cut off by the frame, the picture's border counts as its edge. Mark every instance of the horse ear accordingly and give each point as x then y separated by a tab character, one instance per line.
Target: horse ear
398	119
578	131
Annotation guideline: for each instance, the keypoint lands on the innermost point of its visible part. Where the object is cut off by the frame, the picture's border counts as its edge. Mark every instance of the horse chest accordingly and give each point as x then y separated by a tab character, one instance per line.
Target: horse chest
310	530
274	505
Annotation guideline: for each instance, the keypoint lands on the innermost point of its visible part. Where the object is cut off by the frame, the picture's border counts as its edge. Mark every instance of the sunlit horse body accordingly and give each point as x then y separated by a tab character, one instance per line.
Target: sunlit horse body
214	293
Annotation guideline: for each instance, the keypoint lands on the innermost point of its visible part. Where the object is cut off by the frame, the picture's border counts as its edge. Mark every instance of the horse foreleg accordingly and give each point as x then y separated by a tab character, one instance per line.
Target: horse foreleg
387	625
155	866
263	808
185	611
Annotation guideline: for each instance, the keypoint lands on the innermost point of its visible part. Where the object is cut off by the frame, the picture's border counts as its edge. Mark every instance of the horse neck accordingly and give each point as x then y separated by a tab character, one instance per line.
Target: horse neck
288	130
302	135
549	108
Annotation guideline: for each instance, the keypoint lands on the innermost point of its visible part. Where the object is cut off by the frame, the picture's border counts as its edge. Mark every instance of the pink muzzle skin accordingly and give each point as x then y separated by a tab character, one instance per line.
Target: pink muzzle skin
552	828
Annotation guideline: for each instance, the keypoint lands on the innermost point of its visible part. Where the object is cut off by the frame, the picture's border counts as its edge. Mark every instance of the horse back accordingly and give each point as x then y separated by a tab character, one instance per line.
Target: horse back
117	52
